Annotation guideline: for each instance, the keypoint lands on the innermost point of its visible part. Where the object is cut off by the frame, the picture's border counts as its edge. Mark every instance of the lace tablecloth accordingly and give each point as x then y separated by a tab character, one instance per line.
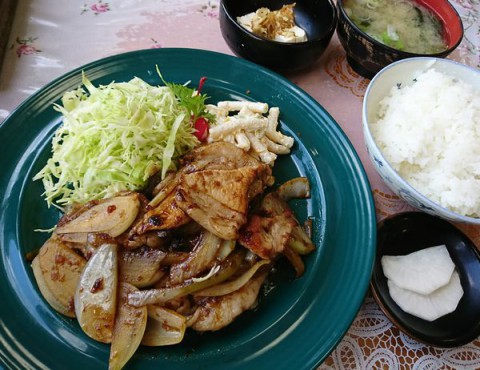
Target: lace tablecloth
50	38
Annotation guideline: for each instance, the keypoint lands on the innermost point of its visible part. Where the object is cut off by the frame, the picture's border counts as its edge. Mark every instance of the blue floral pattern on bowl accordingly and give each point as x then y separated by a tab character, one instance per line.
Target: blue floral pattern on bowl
401	72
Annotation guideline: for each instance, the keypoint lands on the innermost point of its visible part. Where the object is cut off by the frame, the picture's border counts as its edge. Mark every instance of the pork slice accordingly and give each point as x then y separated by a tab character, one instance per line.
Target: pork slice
167	215
229	187
266	236
219	155
220	220
268	231
215	313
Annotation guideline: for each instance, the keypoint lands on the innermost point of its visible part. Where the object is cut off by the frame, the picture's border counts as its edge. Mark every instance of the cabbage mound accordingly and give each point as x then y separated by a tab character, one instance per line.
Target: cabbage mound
113	138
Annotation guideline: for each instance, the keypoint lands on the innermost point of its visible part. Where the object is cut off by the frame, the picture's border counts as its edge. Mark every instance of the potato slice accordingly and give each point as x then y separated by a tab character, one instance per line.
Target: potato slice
57	270
422	271
111	216
431	306
130	324
96	294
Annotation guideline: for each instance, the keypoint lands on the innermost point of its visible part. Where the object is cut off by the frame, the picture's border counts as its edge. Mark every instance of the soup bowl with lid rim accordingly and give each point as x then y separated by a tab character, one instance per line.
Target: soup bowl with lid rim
367	56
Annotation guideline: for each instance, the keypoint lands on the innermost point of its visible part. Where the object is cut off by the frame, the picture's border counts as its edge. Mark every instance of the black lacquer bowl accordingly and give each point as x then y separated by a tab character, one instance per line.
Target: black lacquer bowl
317	17
409	232
368	56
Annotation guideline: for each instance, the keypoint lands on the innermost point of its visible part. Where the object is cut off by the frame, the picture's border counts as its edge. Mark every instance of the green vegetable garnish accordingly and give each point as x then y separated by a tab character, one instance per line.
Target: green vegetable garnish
387	40
114	137
189	99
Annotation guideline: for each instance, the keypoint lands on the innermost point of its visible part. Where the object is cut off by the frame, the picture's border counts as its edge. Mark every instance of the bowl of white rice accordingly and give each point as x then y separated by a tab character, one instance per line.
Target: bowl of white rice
421	124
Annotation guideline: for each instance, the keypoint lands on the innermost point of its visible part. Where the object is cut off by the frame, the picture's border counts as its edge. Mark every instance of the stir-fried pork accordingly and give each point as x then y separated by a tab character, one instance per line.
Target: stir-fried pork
229	187
267	236
167	215
218	199
213	187
217	156
182	251
268	232
215	313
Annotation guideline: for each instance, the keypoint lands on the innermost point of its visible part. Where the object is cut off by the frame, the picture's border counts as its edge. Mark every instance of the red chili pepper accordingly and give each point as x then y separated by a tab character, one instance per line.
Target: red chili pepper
200	85
201	128
201	124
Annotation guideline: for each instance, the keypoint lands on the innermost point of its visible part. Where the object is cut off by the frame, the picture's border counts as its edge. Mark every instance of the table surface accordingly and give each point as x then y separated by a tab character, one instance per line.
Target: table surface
50	38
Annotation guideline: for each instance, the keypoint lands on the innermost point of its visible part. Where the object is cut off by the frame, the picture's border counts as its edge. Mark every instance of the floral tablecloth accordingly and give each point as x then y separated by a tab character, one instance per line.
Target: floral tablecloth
50	38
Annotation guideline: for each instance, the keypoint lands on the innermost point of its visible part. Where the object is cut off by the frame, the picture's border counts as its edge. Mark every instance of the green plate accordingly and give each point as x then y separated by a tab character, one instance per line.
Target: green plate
296	323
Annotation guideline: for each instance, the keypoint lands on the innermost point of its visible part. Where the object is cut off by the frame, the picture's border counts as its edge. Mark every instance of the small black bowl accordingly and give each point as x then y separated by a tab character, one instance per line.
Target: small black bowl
317	17
368	56
408	232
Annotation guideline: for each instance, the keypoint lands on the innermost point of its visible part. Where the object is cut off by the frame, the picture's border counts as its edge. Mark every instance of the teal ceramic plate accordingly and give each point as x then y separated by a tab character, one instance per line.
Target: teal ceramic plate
295	325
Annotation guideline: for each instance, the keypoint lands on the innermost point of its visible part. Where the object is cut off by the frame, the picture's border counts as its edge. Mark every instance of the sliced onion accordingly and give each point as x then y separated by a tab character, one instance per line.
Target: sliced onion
162	295
130	324
232	286
295	260
57	270
164	188
111	216
300	242
225	249
298	187
164	327
307	227
173	258
140	267
96	294
201	259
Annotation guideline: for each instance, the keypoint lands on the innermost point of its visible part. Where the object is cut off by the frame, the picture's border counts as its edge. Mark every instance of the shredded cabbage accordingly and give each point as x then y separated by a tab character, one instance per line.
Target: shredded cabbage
113	138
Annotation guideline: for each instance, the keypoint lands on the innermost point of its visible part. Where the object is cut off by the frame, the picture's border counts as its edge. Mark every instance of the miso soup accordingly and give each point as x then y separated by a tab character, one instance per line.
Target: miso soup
401	24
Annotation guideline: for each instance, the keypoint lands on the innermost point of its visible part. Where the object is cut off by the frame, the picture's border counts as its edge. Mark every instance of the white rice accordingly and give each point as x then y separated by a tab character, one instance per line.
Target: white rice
430	134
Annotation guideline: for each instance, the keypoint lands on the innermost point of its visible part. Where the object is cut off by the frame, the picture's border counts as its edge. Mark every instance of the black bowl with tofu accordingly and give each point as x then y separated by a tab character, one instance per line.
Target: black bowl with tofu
318	18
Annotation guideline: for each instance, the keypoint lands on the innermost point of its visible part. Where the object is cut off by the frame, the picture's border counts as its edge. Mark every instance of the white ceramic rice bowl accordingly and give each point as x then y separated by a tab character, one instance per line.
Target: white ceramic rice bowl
403	72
